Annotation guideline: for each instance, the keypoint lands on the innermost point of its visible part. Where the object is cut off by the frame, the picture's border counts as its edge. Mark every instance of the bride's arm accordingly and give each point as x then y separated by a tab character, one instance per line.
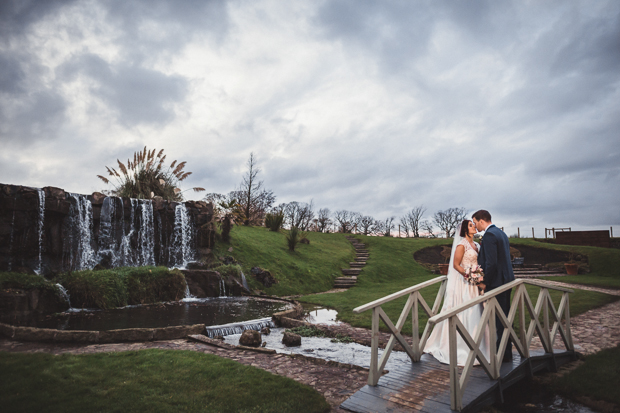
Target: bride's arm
458	257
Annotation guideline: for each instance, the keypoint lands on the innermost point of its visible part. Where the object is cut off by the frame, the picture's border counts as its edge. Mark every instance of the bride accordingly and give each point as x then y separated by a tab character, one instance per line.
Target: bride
464	256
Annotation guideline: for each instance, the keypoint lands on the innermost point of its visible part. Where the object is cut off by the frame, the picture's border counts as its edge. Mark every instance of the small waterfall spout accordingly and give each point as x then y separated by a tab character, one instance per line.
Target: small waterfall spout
40	225
222	288
64	294
244	281
238	328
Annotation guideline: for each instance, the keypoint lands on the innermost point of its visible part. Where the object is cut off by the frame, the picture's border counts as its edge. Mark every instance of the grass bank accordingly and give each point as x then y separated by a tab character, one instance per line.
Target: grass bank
597	378
25	282
149	380
310	268
391	268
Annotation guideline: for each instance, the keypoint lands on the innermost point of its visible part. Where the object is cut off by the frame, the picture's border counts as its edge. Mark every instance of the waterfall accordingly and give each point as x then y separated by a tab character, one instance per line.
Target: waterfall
126	255
40	225
107	233
244	281
181	247
64	294
222	288
238	328
82	223
146	235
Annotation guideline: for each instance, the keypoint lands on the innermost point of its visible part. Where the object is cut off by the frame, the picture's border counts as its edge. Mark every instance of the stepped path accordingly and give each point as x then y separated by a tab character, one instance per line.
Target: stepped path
534	271
350	275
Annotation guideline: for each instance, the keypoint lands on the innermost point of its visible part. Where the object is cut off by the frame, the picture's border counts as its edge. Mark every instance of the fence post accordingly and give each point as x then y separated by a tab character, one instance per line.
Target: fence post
533	233
374	373
611	229
545	233
518	232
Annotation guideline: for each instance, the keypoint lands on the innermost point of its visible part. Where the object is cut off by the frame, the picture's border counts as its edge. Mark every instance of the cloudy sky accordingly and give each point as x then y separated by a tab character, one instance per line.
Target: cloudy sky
370	106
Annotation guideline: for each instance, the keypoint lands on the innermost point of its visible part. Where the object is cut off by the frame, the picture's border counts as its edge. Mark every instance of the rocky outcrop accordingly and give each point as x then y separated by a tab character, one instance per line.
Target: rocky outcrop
20	303
250	338
49	230
263	276
206	283
291	339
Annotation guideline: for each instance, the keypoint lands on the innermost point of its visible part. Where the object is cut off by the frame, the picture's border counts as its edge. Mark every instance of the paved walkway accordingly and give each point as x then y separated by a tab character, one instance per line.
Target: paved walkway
592	331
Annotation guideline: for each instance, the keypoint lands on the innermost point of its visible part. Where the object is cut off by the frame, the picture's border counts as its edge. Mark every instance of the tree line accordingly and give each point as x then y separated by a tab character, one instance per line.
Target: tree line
251	202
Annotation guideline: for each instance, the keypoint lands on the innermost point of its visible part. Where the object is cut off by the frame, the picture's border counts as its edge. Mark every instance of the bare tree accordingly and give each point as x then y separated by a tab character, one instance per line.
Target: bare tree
427	226
413	219
404	226
299	214
448	220
346	220
323	221
253	198
364	224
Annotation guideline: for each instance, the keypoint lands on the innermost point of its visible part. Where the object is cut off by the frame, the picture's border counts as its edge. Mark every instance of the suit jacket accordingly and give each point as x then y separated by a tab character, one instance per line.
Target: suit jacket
494	258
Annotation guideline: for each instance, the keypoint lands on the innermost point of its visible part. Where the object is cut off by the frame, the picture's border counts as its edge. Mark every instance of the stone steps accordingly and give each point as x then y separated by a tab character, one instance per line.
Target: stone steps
361	256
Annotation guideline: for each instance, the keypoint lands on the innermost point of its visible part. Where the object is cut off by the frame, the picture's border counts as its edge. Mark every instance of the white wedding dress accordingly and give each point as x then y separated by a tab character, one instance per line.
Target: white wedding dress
457	292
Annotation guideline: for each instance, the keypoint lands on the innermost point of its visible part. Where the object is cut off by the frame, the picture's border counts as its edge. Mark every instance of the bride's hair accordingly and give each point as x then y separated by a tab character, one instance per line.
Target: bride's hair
464	228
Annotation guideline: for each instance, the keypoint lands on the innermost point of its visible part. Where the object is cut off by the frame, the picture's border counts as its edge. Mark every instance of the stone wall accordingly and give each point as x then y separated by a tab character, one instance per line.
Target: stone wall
69	235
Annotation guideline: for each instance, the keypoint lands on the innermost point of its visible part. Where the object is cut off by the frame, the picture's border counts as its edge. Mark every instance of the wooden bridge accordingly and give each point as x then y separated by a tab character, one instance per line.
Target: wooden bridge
429	386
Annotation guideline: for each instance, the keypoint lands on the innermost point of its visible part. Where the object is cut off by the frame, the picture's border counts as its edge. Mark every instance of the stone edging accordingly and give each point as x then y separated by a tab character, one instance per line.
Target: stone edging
19	333
98	337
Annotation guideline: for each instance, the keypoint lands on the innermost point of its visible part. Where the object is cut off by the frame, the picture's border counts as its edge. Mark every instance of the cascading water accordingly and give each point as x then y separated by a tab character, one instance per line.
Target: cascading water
244	281
82	222
126	256
146	234
222	288
107	233
181	249
40	225
238	328
64	294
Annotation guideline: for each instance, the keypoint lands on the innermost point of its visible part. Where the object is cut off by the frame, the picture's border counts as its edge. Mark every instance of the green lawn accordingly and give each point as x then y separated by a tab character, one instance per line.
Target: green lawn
147	381
310	268
391	268
598	378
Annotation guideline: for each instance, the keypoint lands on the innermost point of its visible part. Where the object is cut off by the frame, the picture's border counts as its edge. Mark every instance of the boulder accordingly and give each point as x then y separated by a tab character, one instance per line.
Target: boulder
250	338
304	241
264	277
265	330
291	339
203	283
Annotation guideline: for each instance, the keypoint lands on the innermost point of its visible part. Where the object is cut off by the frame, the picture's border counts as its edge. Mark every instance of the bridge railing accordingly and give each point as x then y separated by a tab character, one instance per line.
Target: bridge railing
547	329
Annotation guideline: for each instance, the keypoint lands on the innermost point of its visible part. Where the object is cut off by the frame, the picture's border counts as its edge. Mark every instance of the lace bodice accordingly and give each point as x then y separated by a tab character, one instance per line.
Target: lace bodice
470	257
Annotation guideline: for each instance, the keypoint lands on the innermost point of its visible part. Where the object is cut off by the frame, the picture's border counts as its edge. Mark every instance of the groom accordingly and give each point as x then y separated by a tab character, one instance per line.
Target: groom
494	258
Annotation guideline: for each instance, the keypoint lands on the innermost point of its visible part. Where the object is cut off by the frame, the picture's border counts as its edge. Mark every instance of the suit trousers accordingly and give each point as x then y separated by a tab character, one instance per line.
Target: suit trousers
503	300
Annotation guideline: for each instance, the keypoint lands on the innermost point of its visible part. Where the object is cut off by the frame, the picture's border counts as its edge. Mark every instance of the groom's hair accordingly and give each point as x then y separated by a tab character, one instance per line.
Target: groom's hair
482	215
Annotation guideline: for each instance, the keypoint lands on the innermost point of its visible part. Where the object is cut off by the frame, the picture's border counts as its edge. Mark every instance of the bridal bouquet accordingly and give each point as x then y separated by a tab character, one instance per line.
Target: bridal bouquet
474	275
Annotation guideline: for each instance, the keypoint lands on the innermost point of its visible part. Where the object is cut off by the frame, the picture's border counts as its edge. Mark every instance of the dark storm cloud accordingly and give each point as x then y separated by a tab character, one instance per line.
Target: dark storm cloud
136	94
16	16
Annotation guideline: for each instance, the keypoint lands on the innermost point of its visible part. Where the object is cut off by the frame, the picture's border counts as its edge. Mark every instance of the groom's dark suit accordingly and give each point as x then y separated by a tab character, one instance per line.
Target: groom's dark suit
494	258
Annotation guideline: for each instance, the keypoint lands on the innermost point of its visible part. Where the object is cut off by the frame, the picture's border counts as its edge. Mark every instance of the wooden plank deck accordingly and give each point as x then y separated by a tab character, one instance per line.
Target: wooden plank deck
425	386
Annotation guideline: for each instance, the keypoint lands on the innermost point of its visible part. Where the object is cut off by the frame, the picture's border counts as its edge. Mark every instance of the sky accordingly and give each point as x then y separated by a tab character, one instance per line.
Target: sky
369	106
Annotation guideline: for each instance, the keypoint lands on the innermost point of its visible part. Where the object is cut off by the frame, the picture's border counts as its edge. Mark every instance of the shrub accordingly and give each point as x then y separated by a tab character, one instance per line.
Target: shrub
25	281
293	237
123	286
274	221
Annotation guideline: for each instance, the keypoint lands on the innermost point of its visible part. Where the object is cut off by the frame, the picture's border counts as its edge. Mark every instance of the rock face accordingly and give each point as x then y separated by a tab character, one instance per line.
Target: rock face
49	230
263	276
291	339
19	303
250	338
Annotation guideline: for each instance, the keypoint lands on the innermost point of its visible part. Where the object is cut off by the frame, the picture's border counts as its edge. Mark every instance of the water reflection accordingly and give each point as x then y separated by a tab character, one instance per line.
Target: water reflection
319	315
209	311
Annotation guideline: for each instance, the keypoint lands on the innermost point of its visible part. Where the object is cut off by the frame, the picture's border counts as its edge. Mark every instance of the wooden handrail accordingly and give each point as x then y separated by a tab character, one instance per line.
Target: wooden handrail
493	293
547	329
398	294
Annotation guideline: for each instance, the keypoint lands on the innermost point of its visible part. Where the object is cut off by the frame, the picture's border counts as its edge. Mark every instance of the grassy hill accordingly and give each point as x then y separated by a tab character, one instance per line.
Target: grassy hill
391	267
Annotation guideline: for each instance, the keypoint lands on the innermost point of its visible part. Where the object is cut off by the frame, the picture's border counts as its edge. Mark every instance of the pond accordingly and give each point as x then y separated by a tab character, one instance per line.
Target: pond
208	311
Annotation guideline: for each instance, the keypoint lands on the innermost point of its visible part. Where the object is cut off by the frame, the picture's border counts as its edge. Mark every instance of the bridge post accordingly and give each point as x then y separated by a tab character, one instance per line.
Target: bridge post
374	373
455	391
